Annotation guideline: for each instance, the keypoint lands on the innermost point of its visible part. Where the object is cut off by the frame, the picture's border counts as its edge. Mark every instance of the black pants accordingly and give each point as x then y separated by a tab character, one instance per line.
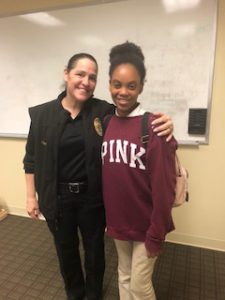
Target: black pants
75	214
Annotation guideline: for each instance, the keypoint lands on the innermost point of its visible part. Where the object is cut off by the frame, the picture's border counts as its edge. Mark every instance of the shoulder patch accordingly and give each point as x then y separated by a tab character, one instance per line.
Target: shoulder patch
98	126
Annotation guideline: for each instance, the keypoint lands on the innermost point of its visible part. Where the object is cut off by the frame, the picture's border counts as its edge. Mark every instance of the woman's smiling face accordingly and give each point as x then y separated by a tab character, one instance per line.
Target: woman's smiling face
81	80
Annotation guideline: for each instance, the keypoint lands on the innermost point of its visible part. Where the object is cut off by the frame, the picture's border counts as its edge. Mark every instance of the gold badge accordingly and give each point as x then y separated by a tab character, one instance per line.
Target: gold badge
98	126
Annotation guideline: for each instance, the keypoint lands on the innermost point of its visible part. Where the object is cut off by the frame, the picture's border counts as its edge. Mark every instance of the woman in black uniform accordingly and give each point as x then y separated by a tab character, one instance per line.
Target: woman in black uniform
63	168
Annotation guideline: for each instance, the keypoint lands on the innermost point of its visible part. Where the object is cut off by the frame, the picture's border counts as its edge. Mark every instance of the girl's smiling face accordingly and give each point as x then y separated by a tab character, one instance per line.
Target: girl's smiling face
125	87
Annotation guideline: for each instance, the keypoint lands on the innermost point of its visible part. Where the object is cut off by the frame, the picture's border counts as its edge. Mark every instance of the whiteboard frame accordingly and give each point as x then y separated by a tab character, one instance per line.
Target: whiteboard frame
211	75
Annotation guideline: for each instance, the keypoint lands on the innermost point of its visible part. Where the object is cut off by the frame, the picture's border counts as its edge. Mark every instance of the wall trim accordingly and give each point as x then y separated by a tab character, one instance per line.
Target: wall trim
196	241
19	211
173	237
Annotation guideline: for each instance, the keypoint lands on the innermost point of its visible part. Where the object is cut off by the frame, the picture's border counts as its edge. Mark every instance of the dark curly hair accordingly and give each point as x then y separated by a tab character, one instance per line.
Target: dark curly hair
127	53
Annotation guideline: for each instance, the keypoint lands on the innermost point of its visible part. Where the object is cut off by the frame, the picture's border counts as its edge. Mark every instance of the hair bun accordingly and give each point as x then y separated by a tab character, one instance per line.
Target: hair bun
124	49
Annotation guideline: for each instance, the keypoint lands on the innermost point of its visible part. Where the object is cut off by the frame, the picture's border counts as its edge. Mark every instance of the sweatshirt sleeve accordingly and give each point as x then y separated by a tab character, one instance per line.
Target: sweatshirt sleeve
162	176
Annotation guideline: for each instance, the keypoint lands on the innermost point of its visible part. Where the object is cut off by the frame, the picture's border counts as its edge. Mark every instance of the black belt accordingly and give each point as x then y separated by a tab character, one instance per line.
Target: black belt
72	187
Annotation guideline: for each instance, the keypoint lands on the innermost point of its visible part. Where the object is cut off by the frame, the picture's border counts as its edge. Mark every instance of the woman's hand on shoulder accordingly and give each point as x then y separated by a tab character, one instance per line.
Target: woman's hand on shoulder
163	125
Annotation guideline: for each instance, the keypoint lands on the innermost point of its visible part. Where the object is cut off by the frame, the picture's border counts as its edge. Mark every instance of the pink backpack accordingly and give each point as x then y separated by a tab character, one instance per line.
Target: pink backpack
181	190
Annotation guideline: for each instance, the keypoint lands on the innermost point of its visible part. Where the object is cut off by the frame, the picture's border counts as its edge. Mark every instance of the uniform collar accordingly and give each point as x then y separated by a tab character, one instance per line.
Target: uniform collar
62	95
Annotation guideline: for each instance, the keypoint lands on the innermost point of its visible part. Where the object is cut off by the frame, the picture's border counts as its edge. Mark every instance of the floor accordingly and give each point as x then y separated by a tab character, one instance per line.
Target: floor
29	267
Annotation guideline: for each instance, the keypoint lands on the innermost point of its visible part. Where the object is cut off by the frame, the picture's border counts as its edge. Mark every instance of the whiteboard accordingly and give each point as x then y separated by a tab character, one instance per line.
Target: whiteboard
177	38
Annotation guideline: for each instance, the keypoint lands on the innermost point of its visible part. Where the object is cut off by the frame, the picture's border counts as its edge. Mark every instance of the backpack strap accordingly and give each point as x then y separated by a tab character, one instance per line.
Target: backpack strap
106	120
144	128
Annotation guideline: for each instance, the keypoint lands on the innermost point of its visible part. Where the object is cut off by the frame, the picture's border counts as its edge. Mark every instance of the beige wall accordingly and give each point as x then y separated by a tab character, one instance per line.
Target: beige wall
201	222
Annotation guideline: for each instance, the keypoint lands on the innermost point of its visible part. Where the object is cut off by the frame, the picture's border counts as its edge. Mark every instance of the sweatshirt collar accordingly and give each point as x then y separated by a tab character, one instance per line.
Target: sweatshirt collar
136	112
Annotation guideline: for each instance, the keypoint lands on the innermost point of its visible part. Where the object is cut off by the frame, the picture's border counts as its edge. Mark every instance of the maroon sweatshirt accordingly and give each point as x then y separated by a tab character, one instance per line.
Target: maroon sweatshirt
138	187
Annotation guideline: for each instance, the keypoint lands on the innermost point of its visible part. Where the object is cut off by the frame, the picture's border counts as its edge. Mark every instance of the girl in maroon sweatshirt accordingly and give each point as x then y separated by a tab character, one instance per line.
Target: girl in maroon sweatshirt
138	181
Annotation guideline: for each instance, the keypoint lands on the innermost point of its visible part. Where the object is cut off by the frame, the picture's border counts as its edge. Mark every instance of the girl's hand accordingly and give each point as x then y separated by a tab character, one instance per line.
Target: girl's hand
151	254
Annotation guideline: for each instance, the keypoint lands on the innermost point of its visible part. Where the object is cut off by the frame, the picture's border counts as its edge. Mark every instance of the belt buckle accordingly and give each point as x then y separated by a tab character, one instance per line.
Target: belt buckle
74	188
